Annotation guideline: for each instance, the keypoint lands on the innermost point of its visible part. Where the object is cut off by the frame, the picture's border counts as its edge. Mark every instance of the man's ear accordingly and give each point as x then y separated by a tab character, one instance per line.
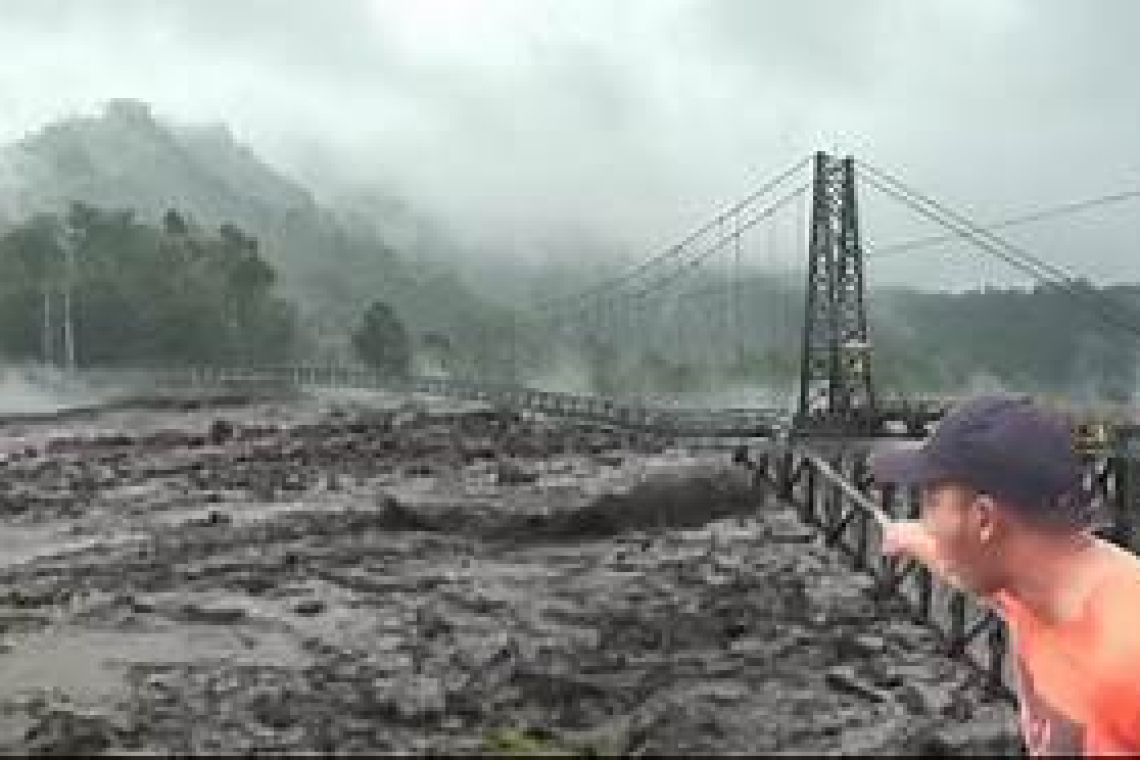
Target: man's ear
985	512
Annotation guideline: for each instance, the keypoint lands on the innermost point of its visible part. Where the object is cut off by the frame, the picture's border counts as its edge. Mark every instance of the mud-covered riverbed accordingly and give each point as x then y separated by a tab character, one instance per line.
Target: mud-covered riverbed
412	577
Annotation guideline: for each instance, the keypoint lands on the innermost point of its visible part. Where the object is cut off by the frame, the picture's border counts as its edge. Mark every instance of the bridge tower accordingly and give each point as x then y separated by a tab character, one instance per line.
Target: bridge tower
836	389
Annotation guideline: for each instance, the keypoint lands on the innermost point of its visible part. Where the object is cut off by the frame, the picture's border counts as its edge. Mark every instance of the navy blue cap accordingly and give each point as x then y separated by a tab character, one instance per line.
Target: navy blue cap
1003	445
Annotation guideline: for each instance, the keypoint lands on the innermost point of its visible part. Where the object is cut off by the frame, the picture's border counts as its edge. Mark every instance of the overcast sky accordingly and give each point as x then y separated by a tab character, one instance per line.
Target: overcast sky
524	121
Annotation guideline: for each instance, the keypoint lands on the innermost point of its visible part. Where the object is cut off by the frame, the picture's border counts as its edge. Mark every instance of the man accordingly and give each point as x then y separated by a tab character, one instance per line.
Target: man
1004	517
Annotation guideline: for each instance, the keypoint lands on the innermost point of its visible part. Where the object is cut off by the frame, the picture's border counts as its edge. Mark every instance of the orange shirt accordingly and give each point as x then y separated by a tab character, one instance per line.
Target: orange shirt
1079	681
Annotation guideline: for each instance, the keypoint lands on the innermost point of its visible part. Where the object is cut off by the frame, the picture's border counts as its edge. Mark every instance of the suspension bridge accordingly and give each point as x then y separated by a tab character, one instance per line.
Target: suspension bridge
813	451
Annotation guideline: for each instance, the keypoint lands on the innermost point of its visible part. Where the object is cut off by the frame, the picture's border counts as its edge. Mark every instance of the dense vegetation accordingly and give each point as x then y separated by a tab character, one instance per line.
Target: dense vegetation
1031	339
1038	340
382	341
139	293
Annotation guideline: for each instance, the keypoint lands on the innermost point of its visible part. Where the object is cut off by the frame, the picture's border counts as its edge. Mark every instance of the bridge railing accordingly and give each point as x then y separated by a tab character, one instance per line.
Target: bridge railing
670	420
833	495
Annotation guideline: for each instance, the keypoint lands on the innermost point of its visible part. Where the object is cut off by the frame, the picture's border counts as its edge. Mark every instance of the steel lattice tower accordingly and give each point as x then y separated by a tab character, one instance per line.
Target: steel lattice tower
835	372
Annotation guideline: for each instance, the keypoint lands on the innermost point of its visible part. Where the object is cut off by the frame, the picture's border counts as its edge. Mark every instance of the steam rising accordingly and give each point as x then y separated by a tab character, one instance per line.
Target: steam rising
30	389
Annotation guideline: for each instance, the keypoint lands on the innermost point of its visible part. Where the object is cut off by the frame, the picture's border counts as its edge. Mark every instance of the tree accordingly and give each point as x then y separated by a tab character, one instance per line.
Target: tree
439	351
602	363
174	224
381	341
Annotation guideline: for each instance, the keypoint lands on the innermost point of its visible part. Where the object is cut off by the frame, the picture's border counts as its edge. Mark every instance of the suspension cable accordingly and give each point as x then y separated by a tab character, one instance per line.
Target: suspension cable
1052	212
696	261
679	248
1045	273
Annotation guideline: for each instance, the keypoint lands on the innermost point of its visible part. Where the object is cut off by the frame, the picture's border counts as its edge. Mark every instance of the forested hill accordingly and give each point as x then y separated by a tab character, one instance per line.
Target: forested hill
330	265
1032	339
1027	339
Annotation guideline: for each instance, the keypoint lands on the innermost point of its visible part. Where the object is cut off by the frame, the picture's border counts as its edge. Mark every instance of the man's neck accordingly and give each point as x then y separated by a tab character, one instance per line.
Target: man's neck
1053	575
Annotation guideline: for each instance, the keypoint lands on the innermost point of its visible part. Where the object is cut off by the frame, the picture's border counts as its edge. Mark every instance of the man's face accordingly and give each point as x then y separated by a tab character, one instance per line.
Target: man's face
963	529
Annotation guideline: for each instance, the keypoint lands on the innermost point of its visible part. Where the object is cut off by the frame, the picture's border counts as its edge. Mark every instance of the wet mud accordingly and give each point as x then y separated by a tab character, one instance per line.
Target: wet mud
402	575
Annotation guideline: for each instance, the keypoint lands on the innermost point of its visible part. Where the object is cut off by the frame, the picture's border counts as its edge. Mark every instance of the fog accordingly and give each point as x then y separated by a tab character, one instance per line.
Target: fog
520	124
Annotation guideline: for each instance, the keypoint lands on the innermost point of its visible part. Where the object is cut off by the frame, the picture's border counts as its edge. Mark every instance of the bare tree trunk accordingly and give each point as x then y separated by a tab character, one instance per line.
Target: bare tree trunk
68	328
47	337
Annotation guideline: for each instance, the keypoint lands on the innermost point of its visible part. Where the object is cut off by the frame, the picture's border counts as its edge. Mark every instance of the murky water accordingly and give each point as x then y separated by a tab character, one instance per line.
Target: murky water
202	603
90	665
19	545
